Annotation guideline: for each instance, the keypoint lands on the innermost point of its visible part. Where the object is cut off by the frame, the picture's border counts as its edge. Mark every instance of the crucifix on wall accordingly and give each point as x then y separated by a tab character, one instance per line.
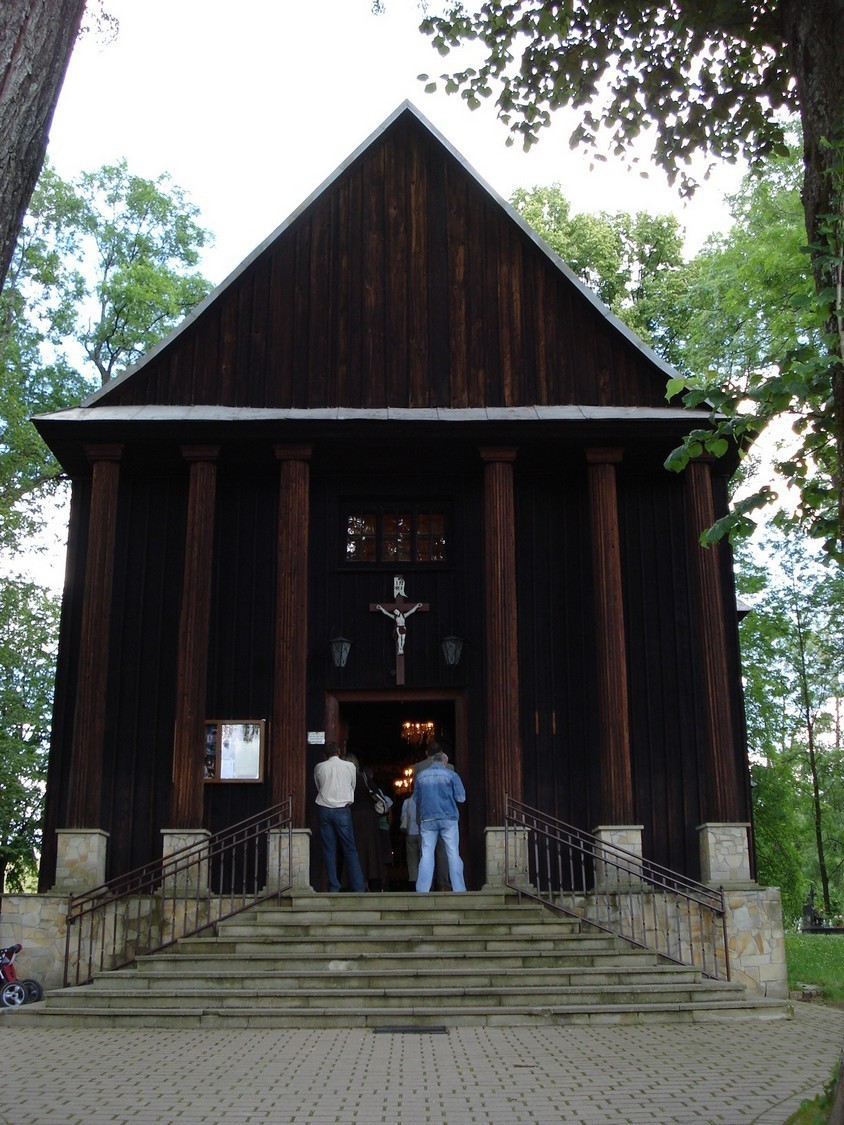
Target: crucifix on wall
398	611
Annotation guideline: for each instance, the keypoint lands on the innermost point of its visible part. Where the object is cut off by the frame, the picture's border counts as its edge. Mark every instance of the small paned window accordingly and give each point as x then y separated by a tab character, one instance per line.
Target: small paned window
360	537
391	534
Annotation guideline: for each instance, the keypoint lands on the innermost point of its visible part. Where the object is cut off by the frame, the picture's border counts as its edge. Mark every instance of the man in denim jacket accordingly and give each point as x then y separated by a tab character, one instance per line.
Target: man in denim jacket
438	793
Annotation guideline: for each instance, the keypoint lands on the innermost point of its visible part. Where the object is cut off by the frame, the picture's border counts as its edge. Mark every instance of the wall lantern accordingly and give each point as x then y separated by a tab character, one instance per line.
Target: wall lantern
452	648
339	651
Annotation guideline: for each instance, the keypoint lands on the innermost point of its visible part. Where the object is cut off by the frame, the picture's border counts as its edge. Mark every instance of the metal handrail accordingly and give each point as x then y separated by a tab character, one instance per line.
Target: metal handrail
179	895
615	890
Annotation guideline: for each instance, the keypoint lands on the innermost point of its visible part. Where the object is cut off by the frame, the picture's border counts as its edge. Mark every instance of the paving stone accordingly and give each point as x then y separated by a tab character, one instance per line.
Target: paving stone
704	1073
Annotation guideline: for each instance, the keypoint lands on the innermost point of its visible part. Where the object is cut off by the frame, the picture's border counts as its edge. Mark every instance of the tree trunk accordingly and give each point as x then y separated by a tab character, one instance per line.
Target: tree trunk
814	32
36	41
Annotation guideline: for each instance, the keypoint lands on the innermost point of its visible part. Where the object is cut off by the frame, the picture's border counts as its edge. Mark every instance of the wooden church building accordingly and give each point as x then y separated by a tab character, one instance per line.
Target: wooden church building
401	475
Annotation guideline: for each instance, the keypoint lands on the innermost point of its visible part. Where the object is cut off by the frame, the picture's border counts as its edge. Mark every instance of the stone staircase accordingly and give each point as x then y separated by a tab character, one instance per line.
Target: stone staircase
394	962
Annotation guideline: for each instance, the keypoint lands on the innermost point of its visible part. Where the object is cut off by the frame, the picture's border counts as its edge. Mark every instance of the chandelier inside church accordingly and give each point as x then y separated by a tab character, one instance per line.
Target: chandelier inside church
417	734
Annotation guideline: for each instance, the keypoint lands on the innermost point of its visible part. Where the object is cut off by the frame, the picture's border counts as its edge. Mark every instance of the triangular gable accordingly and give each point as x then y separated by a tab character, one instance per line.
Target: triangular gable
404	281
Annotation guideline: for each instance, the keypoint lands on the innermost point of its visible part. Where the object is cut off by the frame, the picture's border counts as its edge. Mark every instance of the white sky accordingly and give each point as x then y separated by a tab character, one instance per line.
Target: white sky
251	107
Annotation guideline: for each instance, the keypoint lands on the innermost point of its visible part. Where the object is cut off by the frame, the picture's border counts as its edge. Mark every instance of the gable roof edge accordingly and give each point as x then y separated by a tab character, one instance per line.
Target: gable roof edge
404	107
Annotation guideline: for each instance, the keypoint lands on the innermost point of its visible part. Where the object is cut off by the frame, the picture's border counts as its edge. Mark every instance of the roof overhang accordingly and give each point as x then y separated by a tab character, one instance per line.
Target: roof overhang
658	429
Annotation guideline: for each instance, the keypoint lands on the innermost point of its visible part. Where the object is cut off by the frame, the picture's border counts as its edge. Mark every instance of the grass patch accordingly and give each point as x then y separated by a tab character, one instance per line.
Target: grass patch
816	959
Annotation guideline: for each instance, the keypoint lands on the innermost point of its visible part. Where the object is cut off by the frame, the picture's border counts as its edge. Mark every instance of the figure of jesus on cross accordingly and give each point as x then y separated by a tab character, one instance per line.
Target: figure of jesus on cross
398	611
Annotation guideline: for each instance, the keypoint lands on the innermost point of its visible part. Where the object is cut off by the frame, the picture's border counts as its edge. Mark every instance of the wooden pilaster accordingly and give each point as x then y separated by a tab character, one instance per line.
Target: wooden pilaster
186	804
85	783
289	716
503	742
617	805
722	789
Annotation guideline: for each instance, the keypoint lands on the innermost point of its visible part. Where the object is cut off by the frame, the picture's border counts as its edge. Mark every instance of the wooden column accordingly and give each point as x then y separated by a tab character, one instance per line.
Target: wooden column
85	783
289	716
722	789
186	803
617	805
503	741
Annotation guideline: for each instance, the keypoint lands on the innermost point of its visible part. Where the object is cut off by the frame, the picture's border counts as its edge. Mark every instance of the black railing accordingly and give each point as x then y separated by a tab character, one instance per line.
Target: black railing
615	890
179	895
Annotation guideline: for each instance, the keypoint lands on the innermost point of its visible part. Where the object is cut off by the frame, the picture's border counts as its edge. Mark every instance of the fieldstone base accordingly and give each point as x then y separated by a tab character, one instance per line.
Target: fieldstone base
189	876
618	870
80	860
756	939
289	865
499	850
38	923
724	853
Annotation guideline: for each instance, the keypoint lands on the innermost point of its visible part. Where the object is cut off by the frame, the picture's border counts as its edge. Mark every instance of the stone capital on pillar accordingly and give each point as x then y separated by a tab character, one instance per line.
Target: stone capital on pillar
620	865
289	860
81	859
188	876
506	848
725	853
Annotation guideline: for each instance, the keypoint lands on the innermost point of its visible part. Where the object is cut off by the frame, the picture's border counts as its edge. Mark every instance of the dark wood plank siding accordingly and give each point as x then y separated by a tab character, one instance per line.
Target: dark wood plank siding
240	654
141	710
556	643
403	284
665	667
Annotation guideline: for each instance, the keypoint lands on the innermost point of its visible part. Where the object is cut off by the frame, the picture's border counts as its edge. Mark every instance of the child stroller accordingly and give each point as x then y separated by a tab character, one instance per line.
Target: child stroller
14	992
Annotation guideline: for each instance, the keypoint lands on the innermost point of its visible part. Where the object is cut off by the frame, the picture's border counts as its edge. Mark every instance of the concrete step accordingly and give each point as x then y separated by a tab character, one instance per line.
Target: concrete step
416	1016
388	932
229	995
397	960
222	962
278	915
442	946
347	974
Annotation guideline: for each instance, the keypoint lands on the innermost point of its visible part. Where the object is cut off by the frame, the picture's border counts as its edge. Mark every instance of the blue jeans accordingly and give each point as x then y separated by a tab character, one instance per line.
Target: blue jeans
449	832
335	827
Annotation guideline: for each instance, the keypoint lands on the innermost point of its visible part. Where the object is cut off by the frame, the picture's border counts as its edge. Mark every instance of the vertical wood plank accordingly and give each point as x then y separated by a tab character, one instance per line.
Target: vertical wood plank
85	783
186	803
287	757
503	758
611	650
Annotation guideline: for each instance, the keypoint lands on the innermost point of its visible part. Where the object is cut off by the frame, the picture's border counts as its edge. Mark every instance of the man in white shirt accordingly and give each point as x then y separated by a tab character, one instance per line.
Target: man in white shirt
335	781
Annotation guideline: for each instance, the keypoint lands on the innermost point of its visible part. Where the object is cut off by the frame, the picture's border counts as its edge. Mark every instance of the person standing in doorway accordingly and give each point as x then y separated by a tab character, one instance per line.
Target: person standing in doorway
335	781
438	793
441	863
409	825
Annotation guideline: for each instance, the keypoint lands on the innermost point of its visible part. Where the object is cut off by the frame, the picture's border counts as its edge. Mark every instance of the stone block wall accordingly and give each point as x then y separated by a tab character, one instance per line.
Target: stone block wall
38	923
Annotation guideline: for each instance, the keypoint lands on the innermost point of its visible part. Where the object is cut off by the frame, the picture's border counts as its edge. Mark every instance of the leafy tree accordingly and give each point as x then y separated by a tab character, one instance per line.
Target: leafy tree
740	326
793	663
710	77
102	269
628	260
28	632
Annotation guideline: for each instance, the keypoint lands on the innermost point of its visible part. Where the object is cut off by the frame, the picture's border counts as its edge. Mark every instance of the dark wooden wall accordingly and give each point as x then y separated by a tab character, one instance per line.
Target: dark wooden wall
556	634
403	284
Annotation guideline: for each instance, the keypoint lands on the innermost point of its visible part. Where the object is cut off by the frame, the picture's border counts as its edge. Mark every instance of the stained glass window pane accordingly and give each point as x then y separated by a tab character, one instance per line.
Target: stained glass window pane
360	537
395	537
430	537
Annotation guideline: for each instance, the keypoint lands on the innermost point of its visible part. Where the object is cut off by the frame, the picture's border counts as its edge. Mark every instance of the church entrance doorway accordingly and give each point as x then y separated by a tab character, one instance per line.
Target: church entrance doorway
388	735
